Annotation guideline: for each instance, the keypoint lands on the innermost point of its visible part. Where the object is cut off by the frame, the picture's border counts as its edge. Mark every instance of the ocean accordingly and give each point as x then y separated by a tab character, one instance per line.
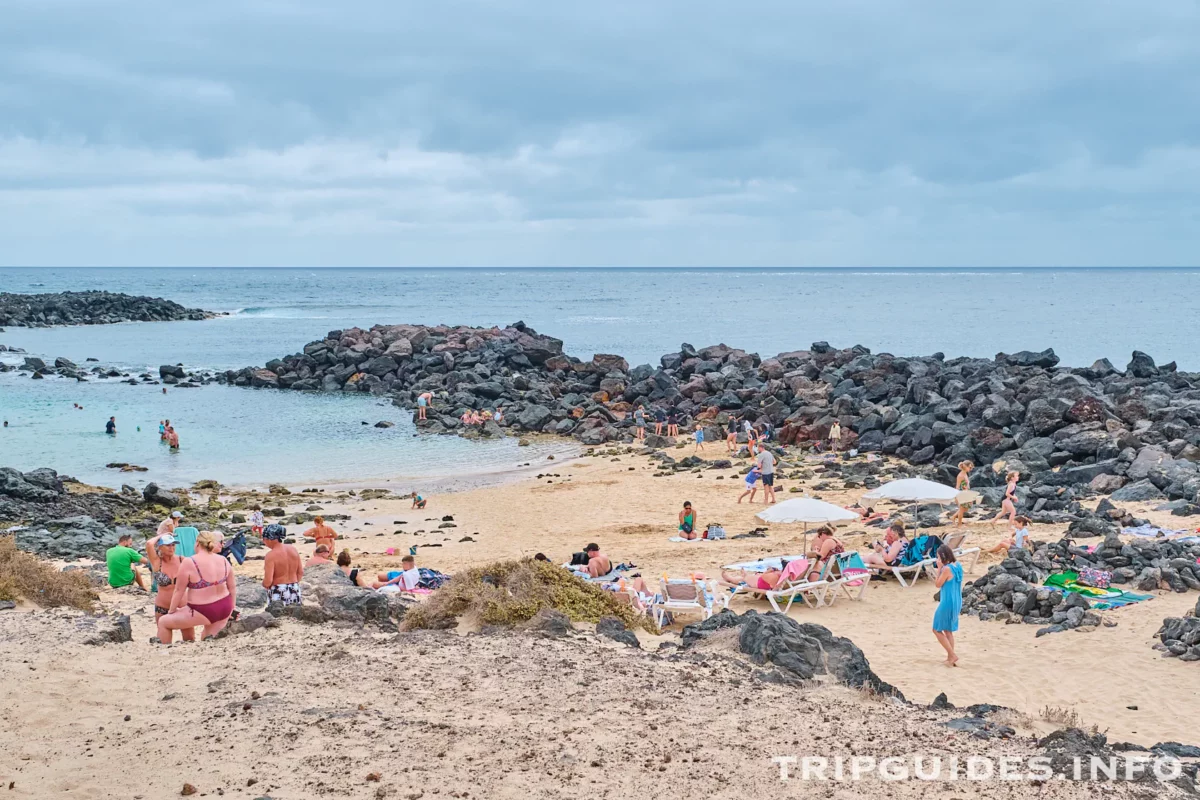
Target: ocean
250	437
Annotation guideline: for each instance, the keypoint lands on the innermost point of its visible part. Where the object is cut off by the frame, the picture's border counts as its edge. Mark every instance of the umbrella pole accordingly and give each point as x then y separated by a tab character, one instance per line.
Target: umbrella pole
804	542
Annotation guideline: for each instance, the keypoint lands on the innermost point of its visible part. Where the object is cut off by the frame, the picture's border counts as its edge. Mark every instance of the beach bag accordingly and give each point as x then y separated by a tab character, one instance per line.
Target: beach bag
579	559
431	578
714	531
1096	578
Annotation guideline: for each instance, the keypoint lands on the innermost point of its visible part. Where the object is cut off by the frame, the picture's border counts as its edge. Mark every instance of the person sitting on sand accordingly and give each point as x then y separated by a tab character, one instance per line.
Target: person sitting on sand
256	520
1008	508
120	561
160	552
751	484
687	522
598	563
205	591
825	546
765	581
887	553
322	534
407	578
282	569
319	556
424	400
1019	536
353	573
417	501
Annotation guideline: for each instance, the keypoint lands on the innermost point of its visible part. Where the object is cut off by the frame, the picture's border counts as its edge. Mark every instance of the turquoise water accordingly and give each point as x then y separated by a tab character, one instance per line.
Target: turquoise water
247	436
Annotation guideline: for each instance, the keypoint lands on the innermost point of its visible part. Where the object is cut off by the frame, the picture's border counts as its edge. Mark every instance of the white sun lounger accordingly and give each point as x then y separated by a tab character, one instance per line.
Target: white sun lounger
683	596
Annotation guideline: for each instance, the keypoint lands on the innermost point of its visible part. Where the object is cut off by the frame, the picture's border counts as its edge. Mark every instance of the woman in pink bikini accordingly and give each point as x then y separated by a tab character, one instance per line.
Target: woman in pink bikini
205	591
160	551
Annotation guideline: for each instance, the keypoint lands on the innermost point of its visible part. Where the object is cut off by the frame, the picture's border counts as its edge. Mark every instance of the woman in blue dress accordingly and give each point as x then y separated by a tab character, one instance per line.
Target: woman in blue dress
945	619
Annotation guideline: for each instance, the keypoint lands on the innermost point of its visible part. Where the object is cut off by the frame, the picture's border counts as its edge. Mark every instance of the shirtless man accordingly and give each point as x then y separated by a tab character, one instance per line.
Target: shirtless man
282	569
322	533
321	556
424	400
598	563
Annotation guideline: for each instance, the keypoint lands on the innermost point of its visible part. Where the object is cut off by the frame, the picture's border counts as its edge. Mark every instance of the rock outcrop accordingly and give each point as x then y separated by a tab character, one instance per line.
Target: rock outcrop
1064	429
89	308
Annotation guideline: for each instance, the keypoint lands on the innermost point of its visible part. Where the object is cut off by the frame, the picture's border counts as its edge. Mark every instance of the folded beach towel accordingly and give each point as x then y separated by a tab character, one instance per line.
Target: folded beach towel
681	539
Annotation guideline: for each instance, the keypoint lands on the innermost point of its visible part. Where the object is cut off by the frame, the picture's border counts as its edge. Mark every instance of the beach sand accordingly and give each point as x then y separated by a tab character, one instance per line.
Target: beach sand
615	502
514	715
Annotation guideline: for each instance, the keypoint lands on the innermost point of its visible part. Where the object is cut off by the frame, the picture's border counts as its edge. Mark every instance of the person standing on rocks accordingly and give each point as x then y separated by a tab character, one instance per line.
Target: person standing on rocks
945	618
660	418
1008	508
424	400
639	422
160	552
322	534
282	568
110	427
120	561
765	462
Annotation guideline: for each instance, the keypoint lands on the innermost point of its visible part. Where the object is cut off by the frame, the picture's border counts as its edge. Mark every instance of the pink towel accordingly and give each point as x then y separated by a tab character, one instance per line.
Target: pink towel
795	570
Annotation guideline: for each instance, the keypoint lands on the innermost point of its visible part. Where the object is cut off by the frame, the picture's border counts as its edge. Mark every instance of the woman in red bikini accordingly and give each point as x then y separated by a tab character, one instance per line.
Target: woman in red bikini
205	591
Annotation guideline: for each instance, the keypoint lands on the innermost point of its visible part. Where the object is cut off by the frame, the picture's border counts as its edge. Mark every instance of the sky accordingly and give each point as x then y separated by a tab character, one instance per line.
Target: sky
665	133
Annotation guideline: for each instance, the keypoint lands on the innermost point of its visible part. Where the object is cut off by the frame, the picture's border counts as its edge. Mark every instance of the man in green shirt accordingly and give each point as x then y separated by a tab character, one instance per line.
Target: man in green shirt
120	564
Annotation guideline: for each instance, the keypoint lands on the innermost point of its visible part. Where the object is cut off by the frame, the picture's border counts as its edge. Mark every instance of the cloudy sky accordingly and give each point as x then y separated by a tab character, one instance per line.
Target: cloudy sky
662	133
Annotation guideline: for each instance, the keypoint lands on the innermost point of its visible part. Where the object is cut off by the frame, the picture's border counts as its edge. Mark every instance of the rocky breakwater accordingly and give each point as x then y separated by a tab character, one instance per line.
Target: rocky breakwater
1070	432
89	308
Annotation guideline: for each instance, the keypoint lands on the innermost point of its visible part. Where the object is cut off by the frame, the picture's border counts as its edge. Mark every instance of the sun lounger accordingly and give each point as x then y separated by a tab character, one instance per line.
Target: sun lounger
850	574
955	542
815	593
682	596
795	571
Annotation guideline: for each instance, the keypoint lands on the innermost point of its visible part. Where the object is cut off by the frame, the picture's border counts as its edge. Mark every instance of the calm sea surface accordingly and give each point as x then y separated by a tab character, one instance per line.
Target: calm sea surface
247	436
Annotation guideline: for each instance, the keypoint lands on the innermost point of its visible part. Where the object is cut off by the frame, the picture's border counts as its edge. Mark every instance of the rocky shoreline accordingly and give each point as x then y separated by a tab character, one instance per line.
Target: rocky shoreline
1071	432
90	308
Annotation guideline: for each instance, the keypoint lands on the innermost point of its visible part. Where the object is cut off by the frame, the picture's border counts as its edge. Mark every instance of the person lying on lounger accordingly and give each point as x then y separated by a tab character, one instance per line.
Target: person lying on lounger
887	553
765	581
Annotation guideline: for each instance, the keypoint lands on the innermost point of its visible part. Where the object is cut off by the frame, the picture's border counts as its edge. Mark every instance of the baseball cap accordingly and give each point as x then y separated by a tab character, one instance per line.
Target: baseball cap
177	514
166	539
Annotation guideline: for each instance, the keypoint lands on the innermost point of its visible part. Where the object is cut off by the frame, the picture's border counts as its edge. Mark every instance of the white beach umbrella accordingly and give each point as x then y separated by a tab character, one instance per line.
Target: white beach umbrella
913	490
806	510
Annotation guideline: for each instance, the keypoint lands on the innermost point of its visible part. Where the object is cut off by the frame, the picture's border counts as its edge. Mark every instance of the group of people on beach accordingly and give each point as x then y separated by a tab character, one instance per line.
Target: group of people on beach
473	417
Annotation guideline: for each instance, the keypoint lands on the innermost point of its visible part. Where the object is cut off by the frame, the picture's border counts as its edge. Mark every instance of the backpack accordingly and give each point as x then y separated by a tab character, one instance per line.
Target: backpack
431	578
714	531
